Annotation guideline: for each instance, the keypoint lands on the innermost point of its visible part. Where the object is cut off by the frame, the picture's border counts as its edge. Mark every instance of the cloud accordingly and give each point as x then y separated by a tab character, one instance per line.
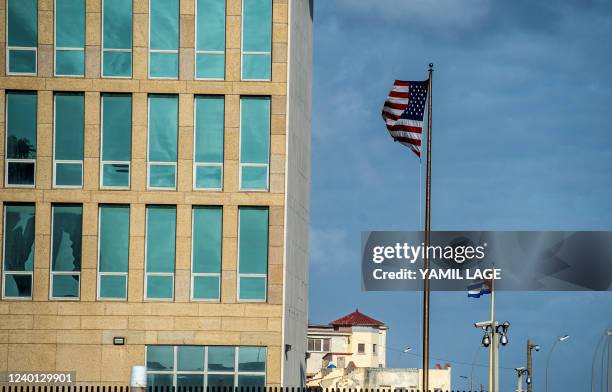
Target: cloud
448	14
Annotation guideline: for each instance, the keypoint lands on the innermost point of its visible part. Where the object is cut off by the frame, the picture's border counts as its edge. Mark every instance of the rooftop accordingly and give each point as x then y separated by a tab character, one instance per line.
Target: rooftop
356	319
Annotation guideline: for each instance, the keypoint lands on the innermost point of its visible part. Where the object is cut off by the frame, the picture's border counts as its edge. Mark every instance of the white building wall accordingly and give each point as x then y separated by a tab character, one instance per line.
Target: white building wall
299	96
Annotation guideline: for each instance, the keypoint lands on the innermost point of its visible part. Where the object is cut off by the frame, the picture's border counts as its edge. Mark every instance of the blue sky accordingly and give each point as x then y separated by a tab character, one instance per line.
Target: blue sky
522	141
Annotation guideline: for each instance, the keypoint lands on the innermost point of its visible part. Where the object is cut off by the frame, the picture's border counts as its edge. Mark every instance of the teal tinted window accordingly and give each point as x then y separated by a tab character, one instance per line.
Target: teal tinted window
19	223
20	137
113	239
160	251
116	139
161	233
252	359
221	358
21	124
160	358
22	35
210	39
70	37
163	140
197	366
66	250
117	24
163	38
254	142
190	358
209	129
253	252
209	123
253	240
117	38
116	127
68	142
207	234
256	39
206	247
163	128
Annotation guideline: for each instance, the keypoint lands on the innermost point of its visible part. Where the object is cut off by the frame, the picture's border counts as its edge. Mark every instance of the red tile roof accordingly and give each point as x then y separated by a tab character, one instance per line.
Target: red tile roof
357	318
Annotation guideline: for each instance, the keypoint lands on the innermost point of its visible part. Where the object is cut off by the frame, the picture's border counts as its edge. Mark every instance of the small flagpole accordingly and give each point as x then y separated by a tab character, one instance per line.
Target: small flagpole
426	290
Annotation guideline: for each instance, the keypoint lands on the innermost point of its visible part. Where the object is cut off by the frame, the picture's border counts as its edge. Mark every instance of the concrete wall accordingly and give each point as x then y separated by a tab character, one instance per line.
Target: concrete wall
77	335
295	312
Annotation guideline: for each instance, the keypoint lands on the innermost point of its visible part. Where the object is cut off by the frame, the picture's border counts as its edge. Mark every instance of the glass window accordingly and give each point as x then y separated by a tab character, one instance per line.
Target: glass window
163	140
19	223
117	38
206	366
252	253
22	37
160	252
254	143
206	253
68	140
163	39
208	154
116	141
113	240
256	39
69	37
66	250
20	138
210	39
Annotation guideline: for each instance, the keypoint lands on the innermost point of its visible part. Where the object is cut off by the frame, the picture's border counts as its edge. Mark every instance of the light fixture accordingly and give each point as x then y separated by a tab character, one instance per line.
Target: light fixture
486	340
118	340
564	338
407	349
503	339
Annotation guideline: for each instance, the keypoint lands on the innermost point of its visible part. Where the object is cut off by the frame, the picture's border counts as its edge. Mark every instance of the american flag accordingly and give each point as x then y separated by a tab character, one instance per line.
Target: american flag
403	112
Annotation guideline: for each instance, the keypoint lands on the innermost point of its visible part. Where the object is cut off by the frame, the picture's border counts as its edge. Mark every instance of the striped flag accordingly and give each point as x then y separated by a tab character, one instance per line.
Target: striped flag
403	112
477	289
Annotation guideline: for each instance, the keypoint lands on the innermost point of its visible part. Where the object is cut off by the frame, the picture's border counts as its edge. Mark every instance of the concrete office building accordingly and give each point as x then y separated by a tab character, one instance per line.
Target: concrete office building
156	163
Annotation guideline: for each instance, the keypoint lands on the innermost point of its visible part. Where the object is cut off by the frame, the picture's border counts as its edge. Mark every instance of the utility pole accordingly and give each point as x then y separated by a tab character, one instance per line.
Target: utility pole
530	346
529	384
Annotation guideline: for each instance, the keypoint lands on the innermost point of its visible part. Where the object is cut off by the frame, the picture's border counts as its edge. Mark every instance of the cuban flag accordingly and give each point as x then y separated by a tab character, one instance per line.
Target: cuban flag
477	289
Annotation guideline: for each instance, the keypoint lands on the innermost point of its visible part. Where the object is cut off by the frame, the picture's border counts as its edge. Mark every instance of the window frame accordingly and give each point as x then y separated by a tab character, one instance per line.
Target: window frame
68	273
147	274
103	162
210	274
68	48
195	146
99	273
6	135
158	163
240	275
60	161
2	267
240	163
359	350
256	53
19	48
103	50
174	51
205	372
196	51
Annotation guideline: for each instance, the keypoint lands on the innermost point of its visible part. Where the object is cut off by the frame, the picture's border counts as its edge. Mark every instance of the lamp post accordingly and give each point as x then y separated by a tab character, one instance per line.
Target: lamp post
530	346
608	335
519	372
560	339
492	329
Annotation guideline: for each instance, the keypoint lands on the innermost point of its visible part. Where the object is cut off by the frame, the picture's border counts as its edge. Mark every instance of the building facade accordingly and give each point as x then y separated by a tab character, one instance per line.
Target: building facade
355	340
156	162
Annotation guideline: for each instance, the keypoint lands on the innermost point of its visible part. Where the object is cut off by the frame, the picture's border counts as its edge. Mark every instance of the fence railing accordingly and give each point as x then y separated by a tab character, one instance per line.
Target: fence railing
117	388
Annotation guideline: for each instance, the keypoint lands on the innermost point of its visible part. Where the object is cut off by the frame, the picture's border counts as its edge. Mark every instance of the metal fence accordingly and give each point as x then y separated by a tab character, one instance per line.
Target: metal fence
95	388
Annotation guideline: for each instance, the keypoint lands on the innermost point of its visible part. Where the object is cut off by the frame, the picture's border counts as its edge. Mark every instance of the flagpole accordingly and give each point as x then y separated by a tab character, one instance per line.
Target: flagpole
492	354
426	290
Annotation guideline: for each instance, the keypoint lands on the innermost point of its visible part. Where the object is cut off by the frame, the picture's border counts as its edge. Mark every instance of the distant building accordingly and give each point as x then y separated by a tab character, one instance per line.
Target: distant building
351	353
354	338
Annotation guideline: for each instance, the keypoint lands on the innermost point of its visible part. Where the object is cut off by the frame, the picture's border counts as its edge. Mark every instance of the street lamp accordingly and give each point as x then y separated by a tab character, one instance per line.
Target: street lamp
530	346
607	334
520	371
559	339
407	349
